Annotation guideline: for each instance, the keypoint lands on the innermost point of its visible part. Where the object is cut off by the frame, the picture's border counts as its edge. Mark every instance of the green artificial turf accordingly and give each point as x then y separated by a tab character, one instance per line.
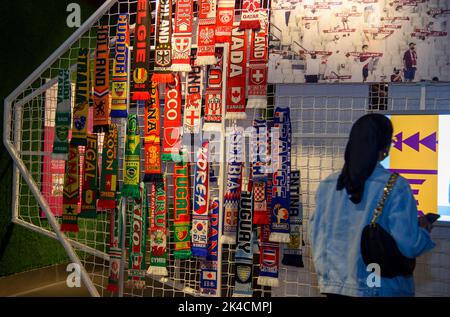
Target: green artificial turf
30	31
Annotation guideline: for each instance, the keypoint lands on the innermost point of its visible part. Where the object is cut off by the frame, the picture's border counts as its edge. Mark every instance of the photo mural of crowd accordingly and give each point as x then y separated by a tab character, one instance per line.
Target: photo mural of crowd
359	41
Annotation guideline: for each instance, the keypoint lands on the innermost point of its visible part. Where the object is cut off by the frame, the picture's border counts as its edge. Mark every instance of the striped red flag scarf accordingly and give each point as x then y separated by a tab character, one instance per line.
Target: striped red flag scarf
250	15
193	103
90	178
108	179
80	115
213	95
163	49
141	52
182	36
71	191
101	80
257	68
236	81
207	11
225	18
119	88
172	122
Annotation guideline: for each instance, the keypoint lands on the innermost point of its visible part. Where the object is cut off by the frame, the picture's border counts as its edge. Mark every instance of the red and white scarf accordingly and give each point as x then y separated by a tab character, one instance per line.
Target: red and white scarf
250	15
236	84
193	103
225	14
213	96
206	32
182	36
172	122
257	69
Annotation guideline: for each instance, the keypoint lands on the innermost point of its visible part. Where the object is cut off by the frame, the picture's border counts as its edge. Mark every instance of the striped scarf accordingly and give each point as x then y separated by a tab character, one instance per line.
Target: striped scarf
62	117
115	246
206	32
182	36
172	122
213	96
193	104
132	159
101	80
81	108
71	191
108	179
90	178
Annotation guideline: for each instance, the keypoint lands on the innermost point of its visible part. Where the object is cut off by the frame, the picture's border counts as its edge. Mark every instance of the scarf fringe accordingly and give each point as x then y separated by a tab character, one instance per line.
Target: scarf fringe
101	128
88	214
206	60
257	103
106	204
171	157
69	227
131	191
293	260
280	237
141	95
136	284
182	254
226	239
268	281
241	295
212	127
163	78
152	178
157	270
119	113
261	219
236	116
181	68
253	25
112	288
60	156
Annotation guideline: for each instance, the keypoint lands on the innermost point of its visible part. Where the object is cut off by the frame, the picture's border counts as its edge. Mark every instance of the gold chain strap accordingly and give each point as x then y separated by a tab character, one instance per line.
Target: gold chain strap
386	191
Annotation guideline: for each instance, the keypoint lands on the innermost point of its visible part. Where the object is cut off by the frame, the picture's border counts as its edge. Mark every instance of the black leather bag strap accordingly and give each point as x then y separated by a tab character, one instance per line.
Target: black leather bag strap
386	191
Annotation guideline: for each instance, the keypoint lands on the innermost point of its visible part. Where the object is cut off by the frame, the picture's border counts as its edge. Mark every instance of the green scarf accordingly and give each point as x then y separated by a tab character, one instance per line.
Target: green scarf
62	117
132	159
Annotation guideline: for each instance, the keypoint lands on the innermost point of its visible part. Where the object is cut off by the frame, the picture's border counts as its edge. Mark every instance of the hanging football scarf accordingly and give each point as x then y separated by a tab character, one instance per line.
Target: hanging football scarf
182	36
115	246
81	108
292	254
200	213
281	166
158	230
193	104
257	68
250	15
141	52
163	49
206	29
131	167
138	237
269	255
62	117
234	181
172	122
225	18
119	86
244	248
108	180
90	179
152	140
213	95
208	277
101	80
259	157
71	192
237	75
182	208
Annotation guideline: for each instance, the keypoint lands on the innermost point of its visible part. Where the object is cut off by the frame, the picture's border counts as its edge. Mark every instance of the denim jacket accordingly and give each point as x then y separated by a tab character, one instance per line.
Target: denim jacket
335	234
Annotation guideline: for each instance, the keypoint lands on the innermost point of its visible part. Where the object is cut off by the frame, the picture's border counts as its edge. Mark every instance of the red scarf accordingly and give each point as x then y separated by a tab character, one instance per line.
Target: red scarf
182	36
237	74
250	15
225	13
213	97
206	32
172	122
193	105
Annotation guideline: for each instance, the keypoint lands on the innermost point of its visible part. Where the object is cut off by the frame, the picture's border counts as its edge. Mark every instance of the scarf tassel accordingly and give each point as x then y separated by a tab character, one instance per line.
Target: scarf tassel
206	60
69	227
157	270
141	95
257	103
211	127
163	78
268	281
181	68
106	204
236	116
252	24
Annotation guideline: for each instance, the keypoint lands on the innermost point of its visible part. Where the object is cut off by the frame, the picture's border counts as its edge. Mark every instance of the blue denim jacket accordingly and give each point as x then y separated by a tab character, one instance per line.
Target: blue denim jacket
335	233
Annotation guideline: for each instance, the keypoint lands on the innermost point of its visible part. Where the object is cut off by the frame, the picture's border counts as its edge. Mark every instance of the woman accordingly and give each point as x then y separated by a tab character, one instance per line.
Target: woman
345	203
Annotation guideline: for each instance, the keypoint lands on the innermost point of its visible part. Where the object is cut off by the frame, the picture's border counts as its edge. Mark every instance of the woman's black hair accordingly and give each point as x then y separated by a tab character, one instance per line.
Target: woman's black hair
369	135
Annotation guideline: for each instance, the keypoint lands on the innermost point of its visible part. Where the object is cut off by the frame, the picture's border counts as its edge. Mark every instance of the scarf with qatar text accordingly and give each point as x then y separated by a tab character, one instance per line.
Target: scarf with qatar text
236	81
193	105
250	15
182	36
206	41
172	122
213	95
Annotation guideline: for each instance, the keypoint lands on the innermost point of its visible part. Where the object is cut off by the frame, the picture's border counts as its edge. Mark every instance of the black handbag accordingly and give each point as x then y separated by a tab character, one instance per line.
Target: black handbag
378	246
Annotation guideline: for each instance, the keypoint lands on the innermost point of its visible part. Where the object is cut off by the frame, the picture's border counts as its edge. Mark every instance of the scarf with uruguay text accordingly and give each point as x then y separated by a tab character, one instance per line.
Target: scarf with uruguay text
234	182
281	167
131	169
81	108
163	49
250	15
71	191
152	139
141	52
158	229
200	213
119	88
292	254
90	178
236	81
213	95
259	160
182	208
115	246
172	122
244	248
208	277
101	80
225	18
108	179
206	41
62	117
193	103
138	238
182	36
257	68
